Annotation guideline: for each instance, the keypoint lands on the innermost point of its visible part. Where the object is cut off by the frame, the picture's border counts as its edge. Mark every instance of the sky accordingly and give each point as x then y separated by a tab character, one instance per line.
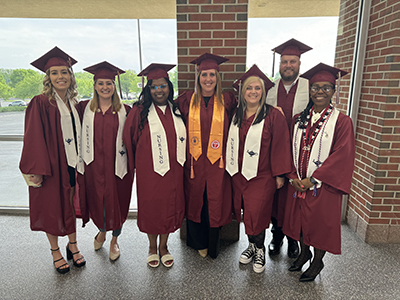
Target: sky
93	41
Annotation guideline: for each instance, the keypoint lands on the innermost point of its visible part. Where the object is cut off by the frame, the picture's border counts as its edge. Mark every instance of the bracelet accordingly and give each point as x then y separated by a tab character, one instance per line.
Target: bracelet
291	181
312	180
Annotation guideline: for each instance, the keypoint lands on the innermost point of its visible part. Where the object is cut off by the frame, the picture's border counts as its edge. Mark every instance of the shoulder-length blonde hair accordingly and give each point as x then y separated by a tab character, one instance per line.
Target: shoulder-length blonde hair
264	109
115	100
49	91
217	93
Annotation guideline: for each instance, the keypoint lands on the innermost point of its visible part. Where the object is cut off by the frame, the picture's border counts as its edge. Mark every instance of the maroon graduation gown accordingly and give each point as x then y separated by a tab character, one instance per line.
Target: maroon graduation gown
161	201
43	153
285	101
274	160
207	175
319	217
99	187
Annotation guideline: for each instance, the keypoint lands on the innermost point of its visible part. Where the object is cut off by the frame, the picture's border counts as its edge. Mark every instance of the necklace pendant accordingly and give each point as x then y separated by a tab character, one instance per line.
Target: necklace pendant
306	148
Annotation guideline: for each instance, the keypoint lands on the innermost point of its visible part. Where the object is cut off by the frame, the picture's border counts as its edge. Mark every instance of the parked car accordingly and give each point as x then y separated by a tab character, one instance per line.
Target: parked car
17	103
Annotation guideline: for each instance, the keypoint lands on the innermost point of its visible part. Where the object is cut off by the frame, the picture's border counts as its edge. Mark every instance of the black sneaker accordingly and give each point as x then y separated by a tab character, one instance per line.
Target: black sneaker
259	260
247	255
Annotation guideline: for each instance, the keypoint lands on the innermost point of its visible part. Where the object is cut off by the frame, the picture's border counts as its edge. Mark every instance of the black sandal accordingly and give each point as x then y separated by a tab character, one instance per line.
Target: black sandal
70	255
60	269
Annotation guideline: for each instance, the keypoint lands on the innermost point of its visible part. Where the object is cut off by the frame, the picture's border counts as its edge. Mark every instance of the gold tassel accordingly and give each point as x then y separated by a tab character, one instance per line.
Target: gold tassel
191	169
221	163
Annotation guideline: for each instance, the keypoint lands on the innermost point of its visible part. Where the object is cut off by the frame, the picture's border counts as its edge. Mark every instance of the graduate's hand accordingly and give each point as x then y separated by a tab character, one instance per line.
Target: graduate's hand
280	181
280	109
306	183
298	185
36	179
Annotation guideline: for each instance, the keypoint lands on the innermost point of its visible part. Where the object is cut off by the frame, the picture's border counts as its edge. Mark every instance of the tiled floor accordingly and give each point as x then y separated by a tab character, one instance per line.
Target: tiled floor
362	272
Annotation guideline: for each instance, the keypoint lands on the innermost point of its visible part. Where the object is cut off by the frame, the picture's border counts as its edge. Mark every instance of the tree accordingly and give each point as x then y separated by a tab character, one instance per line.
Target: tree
29	86
129	83
6	74
18	75
6	92
84	82
173	77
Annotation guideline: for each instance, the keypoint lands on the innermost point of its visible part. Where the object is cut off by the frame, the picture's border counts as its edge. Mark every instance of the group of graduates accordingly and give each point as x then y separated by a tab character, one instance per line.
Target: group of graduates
278	152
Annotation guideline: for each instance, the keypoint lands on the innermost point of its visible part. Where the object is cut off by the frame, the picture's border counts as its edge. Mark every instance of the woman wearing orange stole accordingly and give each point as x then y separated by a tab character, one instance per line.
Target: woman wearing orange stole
208	194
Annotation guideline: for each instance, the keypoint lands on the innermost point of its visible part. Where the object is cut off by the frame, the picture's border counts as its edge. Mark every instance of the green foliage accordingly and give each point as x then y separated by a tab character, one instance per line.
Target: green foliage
6	92
84	81
26	83
18	75
6	74
29	86
12	108
129	84
173	77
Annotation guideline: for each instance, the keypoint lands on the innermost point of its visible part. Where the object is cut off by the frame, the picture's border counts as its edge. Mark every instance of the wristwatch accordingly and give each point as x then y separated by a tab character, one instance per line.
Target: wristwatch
312	180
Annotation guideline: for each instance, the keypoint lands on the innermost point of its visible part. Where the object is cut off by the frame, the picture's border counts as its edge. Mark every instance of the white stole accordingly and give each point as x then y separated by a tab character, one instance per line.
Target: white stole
300	99
322	141
159	143
251	152
68	131
121	162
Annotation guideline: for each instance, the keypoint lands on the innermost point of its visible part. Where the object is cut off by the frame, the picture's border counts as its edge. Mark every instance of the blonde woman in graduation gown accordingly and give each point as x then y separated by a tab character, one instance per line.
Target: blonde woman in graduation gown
208	190
50	155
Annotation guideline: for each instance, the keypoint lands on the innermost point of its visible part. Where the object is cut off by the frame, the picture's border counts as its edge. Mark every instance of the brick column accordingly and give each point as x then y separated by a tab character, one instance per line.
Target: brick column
374	204
215	26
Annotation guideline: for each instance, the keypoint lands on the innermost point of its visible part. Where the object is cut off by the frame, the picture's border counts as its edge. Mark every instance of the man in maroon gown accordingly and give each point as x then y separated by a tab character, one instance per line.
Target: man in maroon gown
291	94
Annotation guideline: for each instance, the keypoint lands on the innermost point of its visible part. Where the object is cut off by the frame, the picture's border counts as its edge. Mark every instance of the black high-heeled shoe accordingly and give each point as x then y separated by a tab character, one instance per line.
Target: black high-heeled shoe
311	272
300	261
60	269
70	255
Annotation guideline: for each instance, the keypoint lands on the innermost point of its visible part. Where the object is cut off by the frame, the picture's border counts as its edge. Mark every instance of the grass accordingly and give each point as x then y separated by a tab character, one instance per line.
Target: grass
12	108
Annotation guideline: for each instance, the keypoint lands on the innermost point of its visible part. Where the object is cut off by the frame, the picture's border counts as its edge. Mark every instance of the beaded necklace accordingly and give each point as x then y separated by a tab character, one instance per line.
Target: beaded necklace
308	142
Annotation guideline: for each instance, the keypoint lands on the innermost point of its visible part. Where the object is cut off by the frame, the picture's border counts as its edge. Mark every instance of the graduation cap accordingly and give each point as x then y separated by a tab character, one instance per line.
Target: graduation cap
208	61
156	71
253	71
104	70
323	72
290	47
55	57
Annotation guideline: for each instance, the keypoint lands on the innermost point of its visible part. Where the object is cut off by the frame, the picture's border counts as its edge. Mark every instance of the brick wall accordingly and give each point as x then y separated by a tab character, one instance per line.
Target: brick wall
374	204
215	26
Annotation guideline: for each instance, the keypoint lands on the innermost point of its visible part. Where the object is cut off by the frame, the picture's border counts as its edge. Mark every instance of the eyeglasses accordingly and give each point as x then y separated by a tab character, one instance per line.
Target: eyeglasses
325	88
155	87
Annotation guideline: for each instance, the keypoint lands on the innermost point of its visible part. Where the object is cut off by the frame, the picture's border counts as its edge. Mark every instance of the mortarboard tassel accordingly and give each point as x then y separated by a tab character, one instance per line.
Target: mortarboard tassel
338	90
273	65
195	79
119	85
191	168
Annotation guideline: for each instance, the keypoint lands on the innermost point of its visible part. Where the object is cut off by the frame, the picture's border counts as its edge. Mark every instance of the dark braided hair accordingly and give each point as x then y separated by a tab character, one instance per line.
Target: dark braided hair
145	101
303	115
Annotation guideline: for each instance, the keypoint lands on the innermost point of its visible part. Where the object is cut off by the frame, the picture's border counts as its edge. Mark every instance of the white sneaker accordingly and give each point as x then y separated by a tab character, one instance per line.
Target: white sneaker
259	260
247	255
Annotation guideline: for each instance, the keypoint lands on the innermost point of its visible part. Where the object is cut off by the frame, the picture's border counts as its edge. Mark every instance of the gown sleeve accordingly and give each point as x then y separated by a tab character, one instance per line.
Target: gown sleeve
35	157
129	136
280	144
